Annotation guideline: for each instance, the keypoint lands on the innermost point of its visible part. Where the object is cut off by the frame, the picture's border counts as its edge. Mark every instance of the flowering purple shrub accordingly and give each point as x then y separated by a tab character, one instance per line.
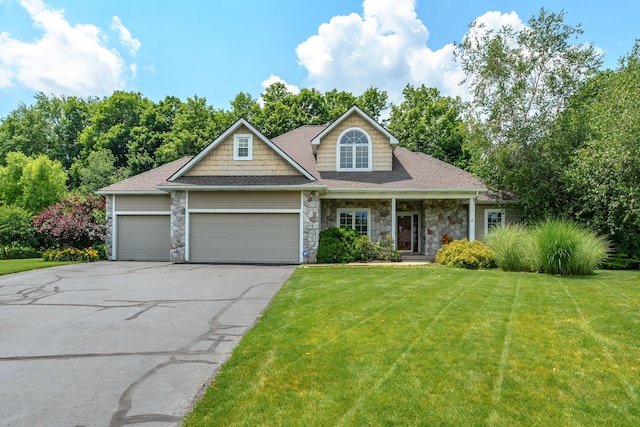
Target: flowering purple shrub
75	221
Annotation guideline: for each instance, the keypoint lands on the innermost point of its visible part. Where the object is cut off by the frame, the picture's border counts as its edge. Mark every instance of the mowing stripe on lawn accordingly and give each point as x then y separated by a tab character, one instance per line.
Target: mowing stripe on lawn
604	343
404	354
506	345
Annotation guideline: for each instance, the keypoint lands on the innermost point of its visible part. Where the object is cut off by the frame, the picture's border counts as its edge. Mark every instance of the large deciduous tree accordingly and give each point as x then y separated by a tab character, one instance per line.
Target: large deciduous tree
604	177
520	80
31	182
428	122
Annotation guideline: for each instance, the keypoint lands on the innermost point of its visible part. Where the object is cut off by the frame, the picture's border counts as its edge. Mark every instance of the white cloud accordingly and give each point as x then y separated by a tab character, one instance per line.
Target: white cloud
66	59
277	79
125	35
386	48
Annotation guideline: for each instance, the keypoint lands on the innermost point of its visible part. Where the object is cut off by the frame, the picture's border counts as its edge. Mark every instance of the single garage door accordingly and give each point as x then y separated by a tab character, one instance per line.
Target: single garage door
143	237
245	238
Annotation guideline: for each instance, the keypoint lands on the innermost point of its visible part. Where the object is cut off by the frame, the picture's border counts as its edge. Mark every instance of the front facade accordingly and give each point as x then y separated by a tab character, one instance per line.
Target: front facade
248	199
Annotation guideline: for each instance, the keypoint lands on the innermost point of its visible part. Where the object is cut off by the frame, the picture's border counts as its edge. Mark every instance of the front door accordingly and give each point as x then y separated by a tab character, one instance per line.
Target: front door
407	232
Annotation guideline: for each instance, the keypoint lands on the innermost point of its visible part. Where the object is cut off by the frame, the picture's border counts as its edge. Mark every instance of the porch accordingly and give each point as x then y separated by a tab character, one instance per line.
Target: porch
416	225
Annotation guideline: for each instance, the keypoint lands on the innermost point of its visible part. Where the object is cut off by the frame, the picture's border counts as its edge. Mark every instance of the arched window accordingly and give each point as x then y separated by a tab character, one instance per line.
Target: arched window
354	151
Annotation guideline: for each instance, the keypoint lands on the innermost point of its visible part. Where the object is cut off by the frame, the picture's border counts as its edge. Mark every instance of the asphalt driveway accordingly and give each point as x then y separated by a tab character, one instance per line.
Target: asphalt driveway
121	343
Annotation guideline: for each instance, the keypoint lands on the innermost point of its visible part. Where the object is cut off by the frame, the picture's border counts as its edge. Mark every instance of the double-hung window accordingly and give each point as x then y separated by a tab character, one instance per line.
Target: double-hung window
354	151
242	147
358	219
493	218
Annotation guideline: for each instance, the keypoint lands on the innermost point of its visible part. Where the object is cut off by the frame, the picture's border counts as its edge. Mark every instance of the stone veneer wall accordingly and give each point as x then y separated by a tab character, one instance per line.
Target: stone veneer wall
380	214
177	248
109	226
311	224
442	217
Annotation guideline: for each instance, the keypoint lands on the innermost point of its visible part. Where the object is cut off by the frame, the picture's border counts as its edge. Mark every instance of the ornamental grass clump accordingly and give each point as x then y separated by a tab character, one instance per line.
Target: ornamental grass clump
512	247
465	254
553	246
563	247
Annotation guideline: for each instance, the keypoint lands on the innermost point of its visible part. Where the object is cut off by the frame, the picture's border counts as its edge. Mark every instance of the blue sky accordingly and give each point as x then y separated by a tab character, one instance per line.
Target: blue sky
216	49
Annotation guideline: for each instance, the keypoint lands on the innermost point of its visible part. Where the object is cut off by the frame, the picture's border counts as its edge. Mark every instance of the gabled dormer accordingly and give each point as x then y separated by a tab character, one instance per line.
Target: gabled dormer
241	151
354	143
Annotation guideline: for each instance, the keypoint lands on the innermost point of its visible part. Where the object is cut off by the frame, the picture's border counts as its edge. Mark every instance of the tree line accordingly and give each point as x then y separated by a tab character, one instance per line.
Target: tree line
544	126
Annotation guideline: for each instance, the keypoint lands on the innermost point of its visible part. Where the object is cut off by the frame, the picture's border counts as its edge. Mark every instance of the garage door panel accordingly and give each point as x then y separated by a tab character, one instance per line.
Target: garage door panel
268	238
143	237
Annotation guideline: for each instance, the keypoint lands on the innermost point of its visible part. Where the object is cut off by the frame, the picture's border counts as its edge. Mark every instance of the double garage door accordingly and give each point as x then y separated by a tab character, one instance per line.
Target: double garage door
244	237
214	237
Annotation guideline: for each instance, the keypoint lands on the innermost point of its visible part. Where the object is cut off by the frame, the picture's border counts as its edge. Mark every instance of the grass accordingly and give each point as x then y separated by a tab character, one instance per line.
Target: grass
8	266
554	246
348	345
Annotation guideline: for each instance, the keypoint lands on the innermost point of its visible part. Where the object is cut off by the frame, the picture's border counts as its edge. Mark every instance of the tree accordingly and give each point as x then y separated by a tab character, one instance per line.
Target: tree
75	221
50	126
520	80
112	123
603	176
430	123
98	171
374	102
196	125
31	183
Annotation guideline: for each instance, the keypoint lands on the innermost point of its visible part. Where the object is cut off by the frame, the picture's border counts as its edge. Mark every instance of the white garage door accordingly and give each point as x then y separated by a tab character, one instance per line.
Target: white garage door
245	238
143	237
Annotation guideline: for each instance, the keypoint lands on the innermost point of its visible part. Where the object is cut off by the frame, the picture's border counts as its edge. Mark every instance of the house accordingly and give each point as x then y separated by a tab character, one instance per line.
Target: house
248	199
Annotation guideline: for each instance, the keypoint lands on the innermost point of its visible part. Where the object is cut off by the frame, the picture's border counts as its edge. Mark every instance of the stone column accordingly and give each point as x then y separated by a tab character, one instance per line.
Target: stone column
178	226
311	224
443	217
109	226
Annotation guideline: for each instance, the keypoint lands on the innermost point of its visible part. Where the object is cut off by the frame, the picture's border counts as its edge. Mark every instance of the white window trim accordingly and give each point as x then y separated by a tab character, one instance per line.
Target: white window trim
486	218
369	153
236	146
367	210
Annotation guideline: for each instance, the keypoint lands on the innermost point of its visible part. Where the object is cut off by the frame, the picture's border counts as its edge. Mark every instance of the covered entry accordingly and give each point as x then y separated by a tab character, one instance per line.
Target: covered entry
244	237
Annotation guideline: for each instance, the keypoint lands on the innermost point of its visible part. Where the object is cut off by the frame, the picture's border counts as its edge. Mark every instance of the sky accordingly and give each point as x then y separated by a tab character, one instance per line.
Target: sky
217	49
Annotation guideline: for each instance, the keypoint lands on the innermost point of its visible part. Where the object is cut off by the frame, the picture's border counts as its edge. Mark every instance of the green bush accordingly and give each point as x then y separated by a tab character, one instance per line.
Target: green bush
19	252
384	250
343	245
16	229
552	246
337	245
465	254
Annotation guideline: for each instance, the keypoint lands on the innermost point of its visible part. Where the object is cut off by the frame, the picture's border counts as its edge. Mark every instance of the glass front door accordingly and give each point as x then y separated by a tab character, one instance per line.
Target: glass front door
405	232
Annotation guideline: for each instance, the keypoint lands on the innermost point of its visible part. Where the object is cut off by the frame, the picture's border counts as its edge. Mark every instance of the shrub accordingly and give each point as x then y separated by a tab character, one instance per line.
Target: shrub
465	254
71	254
19	252
16	229
512	247
76	221
383	250
337	245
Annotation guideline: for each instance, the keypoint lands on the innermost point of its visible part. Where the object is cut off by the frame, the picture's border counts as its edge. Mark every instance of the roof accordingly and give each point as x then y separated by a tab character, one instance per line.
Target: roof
147	182
355	109
238	123
411	172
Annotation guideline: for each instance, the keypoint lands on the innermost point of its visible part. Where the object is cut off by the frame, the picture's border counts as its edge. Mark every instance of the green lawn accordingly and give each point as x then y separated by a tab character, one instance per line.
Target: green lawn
345	346
8	266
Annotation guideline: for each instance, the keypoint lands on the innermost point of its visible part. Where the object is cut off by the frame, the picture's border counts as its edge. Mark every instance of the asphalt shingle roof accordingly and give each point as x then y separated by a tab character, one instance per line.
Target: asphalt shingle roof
410	171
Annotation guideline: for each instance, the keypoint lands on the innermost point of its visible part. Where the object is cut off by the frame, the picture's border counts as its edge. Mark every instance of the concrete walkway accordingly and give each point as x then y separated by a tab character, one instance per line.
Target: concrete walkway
121	343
